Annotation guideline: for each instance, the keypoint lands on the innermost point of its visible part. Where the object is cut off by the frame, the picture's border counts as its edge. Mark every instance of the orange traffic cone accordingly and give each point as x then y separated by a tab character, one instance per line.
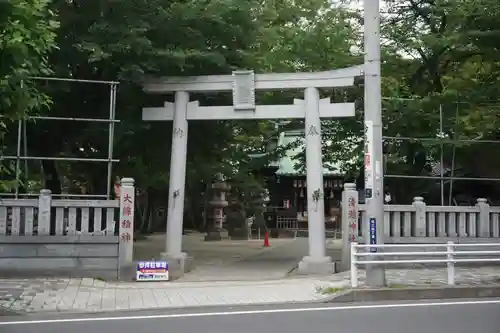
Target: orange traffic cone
266	239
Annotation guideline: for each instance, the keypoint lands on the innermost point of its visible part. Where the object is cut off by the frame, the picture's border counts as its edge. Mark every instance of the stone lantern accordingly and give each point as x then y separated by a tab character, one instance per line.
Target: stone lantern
216	231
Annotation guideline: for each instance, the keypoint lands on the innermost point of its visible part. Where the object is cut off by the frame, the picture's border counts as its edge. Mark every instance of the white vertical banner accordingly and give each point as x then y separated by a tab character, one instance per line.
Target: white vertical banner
369	166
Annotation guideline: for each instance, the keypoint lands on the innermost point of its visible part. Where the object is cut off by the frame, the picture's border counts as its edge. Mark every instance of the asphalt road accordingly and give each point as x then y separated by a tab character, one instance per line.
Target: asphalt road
465	316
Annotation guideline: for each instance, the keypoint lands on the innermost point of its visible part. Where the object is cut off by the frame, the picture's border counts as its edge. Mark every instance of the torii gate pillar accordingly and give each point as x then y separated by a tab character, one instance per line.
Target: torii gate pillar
316	262
177	184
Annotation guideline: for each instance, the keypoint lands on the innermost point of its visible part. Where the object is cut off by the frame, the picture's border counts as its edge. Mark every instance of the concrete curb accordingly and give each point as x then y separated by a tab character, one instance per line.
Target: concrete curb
173	308
8	313
413	294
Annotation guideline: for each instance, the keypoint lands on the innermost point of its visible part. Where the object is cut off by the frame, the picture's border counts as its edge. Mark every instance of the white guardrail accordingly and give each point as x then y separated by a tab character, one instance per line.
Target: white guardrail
450	256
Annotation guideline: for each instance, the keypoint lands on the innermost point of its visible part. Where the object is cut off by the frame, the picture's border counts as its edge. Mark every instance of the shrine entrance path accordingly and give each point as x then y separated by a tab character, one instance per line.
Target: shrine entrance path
233	260
204	253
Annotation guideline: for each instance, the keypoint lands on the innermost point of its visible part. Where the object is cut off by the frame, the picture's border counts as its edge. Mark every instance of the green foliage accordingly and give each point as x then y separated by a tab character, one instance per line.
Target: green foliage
440	54
437	54
27	36
27	33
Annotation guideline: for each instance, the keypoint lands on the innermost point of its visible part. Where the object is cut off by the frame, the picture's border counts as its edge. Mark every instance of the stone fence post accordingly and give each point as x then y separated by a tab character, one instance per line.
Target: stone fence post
350	220
126	222
484	217
44	207
420	219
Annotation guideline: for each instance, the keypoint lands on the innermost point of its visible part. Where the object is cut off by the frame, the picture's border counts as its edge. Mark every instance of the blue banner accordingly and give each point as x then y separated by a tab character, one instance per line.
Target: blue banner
373	234
163	265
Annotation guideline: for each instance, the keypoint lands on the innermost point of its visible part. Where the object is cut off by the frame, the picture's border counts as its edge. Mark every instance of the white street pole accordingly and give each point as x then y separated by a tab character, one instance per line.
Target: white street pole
374	182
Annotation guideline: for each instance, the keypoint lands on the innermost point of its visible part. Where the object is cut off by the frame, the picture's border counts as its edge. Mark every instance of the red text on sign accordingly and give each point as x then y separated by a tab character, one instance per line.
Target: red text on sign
367	160
126	224
127	210
125	237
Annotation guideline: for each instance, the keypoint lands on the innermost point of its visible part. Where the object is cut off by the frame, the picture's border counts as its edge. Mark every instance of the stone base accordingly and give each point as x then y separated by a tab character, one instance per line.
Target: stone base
178	264
316	266
217	235
342	266
127	272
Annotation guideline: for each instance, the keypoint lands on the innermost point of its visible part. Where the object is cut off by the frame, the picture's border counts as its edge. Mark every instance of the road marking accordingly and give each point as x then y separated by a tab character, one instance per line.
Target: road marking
250	312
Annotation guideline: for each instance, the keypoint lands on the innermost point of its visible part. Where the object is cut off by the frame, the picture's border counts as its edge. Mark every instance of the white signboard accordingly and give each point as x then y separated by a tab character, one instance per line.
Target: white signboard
151	271
369	166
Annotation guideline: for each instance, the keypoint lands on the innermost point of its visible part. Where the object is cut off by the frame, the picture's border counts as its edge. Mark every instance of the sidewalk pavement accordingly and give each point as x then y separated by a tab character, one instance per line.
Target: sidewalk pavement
90	295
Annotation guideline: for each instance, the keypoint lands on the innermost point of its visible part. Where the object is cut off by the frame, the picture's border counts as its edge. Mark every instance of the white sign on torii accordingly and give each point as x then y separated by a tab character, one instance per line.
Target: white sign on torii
243	85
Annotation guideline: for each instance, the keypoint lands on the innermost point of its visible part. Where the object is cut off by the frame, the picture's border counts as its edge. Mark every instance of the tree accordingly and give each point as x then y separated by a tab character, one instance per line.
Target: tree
27	36
310	36
129	41
439	54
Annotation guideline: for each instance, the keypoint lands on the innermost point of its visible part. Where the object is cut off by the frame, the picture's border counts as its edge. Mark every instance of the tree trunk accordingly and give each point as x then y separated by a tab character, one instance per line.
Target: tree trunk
52	180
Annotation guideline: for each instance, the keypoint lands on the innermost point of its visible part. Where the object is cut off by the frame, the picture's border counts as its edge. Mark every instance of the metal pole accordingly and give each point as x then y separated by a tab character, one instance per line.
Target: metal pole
92	120
441	162
453	157
445	178
111	133
437	140
46	78
374	175
18	156
63	195
73	159
25	143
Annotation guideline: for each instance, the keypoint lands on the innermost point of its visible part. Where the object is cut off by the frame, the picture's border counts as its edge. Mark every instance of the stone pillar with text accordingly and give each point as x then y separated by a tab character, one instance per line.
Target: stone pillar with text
126	229
350	223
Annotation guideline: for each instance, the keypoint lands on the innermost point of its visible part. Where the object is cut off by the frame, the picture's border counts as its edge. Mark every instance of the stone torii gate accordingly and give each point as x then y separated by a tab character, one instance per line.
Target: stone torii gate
243	85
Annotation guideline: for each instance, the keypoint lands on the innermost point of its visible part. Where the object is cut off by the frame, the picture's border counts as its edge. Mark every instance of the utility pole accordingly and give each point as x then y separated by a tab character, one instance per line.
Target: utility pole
374	173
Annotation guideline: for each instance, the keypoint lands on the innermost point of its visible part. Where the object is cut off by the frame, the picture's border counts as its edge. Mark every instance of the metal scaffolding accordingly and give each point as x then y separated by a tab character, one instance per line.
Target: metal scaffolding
22	145
441	140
